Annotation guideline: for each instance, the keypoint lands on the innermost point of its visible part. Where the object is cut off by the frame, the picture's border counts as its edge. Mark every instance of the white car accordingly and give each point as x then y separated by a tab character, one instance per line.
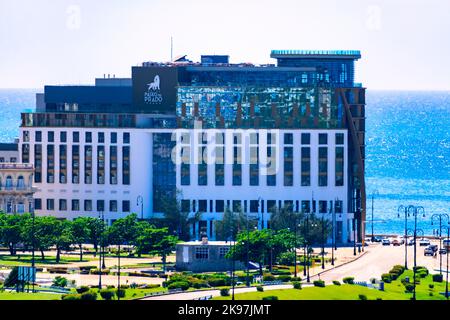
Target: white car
424	242
386	242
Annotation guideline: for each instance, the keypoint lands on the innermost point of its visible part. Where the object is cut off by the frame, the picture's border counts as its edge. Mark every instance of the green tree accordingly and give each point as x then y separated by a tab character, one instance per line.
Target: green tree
231	224
177	221
258	246
11	230
96	229
156	241
62	236
44	233
80	232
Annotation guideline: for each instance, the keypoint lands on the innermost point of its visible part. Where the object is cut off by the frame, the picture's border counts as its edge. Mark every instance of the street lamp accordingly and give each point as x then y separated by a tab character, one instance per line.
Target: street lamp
415	211
323	240
447	253
247	247
405	210
140	200
32	255
374	193
100	266
439	216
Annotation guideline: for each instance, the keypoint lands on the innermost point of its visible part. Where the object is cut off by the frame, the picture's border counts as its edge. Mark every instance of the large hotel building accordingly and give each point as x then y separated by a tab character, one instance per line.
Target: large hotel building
211	133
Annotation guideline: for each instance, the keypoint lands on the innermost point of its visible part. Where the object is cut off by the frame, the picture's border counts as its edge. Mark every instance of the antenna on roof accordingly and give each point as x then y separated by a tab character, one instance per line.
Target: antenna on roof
171	49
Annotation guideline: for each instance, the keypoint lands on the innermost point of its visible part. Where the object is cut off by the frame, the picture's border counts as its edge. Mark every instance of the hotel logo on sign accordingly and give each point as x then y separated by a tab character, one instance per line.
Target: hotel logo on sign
153	94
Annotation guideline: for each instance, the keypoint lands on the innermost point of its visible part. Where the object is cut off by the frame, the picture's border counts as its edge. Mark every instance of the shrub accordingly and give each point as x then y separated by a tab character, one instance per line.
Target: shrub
287	258
337	283
90	295
373	280
431	286
386	277
349	280
296	279
281	272
60	282
268	277
362	297
319	283
71	297
437	278
297	285
270	298
183	285
120	293
284	278
422	274
431	294
379	299
224	292
219	282
409	287
83	289
260	288
107	294
124	286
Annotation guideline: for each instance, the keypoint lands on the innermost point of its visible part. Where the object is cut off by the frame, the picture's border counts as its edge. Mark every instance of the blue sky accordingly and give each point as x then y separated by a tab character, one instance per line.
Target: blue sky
404	44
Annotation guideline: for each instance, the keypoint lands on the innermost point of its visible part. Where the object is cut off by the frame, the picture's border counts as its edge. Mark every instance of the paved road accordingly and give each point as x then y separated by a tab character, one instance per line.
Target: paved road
214	293
378	260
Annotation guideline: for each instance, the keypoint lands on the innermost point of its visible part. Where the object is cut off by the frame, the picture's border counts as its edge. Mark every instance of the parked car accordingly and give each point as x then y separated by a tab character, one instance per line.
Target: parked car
429	251
377	239
411	242
386	242
424	242
434	247
442	251
396	242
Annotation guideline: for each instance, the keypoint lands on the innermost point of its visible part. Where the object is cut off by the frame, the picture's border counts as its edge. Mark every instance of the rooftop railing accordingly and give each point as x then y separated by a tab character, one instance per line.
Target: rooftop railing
16	166
317	52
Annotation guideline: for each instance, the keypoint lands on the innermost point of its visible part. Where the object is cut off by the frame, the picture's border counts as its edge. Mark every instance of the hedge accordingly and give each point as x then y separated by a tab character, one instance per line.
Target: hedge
438	278
107	294
319	283
270	298
349	280
90	295
224	292
183	285
260	288
337	283
297	285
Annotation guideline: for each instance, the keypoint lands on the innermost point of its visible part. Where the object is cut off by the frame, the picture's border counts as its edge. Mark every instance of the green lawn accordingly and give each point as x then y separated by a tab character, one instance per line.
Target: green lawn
25	260
393	291
29	296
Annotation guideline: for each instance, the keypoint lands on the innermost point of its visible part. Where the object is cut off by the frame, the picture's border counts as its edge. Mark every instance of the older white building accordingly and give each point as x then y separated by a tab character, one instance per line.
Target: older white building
16	188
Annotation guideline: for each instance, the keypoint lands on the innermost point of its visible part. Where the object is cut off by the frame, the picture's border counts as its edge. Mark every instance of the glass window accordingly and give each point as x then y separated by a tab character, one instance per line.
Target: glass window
101	137
306	138
323	138
50	204
220	206
126	137
63	136
62	204
87	205
76	136
100	205
271	205
339	138
113	137
75	205
288	138
254	206
26	136
201	253
223	252
306	208
51	136
306	166
323	166
323	206
38	136
113	205
202	204
125	206
338	206
38	204
126	165
88	137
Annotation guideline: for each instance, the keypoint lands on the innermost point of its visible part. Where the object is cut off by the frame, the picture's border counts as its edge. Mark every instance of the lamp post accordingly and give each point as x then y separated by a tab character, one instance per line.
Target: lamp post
33	244
440	216
415	211
323	240
405	210
100	244
140	201
354	235
295	246
306	247
447	253
374	193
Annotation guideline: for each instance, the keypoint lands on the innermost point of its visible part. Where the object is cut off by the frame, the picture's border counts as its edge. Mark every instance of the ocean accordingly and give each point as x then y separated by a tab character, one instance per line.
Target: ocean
407	153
